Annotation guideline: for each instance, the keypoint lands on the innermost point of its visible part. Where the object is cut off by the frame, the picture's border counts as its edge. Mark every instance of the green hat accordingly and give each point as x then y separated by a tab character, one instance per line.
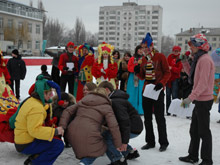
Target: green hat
41	85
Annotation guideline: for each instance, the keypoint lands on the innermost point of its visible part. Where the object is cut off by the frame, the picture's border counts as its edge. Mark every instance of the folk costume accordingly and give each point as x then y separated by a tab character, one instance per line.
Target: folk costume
85	69
105	69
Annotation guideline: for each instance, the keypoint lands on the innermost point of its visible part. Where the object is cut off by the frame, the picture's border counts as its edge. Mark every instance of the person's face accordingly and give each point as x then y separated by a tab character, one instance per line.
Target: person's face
70	49
127	58
105	56
140	51
144	46
85	51
85	90
150	49
65	104
14	55
116	55
48	95
176	52
193	49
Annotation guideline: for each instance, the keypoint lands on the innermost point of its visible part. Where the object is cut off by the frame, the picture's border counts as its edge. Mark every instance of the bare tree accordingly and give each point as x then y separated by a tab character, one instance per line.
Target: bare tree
167	44
54	32
92	39
78	33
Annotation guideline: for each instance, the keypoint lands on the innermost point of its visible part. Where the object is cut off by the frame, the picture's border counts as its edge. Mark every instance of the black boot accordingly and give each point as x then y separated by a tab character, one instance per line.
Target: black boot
122	161
188	159
133	155
29	159
148	146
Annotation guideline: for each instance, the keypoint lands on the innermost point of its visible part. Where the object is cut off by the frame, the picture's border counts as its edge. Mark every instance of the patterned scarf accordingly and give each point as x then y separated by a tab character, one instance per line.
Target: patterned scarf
149	68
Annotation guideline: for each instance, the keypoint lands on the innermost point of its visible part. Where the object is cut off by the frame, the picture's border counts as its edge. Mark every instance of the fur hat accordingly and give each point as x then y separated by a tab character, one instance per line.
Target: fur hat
15	51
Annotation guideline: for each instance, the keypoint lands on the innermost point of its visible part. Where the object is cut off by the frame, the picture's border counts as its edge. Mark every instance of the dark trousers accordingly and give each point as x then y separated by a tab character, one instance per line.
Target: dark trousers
200	128
157	107
122	85
64	79
171	92
17	87
55	74
47	151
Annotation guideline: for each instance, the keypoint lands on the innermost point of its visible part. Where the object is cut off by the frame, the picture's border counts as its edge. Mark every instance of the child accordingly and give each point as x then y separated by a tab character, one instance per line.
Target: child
59	106
45	73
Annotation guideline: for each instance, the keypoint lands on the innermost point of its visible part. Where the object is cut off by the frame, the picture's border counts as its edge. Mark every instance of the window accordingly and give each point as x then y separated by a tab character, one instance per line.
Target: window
101	38
37	29
214	39
155	12
37	45
141	33
101	12
142	12
20	44
29	45
1	22
180	39
141	27
112	17
112	28
30	28
10	23
111	38
20	24
180	44
213	45
100	28
186	41
154	28
148	12
101	23
111	33
112	23
154	22
112	12
101	18
154	17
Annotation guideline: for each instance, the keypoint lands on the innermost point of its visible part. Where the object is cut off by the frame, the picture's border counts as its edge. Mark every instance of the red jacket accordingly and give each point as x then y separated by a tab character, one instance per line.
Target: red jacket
4	71
161	68
64	59
176	67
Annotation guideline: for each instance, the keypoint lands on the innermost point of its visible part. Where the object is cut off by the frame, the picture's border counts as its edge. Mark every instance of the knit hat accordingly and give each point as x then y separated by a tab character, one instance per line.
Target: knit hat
42	85
70	44
147	40
178	48
199	40
15	51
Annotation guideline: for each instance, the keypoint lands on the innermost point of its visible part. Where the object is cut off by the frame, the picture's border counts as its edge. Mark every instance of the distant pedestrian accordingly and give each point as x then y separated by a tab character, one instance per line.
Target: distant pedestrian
45	73
17	69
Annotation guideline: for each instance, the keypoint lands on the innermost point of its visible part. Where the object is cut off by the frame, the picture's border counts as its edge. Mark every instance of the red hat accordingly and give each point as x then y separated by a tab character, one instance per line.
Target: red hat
70	44
177	48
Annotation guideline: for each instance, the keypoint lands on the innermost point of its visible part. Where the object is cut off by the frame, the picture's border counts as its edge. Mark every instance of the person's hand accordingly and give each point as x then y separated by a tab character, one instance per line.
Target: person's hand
65	68
185	103
158	86
123	147
137	68
73	69
102	70
60	131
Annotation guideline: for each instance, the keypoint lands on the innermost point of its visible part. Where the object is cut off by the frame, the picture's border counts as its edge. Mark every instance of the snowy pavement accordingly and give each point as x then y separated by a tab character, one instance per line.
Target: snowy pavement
177	130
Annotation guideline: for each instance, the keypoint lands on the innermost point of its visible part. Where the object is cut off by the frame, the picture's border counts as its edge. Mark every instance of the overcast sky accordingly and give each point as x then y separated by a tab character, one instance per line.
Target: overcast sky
177	14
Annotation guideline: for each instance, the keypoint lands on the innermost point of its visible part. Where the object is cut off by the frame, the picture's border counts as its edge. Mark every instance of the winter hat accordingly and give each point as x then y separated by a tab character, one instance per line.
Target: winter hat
42	85
199	40
178	48
87	46
70	44
15	51
105	48
147	40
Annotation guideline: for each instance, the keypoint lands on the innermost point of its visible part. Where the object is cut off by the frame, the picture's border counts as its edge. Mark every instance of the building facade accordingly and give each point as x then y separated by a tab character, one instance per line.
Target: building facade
212	35
125	26
21	24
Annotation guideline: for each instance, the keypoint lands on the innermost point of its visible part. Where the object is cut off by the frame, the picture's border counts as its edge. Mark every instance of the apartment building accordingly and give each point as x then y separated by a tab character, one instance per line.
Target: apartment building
125	26
21	24
212	35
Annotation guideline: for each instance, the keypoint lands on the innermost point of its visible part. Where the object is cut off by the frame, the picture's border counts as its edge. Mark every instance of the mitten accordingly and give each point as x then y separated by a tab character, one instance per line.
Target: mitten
137	68
185	103
65	68
158	87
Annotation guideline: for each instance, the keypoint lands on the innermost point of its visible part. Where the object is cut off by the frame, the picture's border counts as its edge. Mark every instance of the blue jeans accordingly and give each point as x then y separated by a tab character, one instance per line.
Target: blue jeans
112	153
173	91
87	160
47	151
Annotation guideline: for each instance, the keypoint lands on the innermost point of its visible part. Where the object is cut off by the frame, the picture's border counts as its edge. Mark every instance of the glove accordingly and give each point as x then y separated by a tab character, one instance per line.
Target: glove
73	69
185	103
158	87
65	68
137	68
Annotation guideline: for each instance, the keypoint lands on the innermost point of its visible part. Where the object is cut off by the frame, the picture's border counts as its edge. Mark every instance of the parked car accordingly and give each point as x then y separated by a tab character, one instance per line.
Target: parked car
26	53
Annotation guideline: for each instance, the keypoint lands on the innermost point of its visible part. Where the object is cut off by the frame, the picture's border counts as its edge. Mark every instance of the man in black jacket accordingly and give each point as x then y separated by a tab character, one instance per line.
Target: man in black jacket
129	121
17	70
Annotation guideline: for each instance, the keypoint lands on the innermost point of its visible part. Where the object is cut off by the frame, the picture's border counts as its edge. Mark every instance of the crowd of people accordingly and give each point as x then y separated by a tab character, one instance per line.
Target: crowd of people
98	118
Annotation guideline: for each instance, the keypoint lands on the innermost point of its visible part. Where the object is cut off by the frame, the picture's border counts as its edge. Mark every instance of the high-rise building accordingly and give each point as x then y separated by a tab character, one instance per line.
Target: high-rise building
21	24
125	26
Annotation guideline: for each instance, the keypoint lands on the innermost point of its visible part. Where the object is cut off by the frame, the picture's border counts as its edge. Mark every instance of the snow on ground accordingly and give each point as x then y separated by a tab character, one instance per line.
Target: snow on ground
177	130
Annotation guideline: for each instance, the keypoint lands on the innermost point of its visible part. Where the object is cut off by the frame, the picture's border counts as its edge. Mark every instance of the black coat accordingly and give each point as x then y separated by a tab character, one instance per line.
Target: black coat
16	68
127	116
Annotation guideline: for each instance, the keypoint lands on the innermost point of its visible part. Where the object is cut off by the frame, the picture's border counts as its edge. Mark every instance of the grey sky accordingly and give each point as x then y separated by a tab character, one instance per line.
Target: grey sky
177	14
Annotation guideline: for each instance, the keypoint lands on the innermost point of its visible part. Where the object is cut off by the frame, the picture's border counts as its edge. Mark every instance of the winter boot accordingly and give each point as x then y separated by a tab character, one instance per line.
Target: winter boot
29	159
122	161
133	154
188	159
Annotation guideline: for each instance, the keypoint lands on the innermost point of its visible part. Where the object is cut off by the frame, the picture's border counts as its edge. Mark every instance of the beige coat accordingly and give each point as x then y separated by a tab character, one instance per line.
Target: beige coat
84	132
